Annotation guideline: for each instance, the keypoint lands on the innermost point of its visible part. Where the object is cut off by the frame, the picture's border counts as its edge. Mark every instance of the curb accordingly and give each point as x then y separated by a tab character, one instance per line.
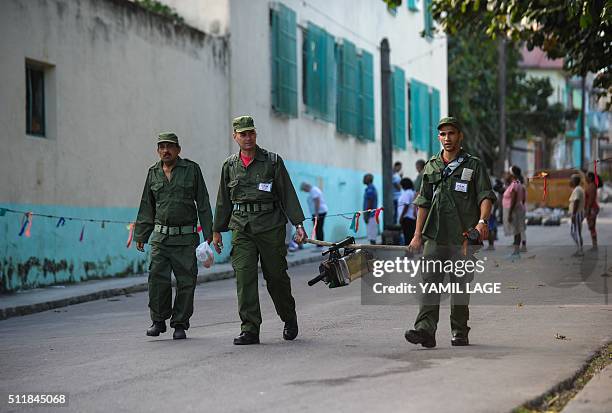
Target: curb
113	292
538	402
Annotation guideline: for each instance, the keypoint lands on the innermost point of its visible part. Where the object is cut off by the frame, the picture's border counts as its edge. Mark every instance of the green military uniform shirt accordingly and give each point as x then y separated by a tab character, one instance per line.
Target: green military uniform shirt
457	201
264	181
178	202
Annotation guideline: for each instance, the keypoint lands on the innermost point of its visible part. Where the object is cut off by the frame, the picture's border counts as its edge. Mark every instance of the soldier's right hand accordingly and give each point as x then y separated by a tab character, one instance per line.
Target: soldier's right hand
416	243
217	242
140	246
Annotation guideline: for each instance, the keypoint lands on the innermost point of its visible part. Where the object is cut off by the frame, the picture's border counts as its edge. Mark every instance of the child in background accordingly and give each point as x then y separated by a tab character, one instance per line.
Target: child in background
576	209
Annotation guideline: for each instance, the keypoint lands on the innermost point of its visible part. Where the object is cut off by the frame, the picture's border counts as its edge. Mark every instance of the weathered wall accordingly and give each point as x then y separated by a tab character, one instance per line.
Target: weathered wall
117	75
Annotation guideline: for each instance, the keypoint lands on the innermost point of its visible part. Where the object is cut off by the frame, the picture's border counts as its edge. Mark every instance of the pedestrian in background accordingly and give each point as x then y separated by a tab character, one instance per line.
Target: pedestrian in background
524	232
420	166
370	201
591	207
514	209
396	177
406	211
498	188
173	199
255	199
318	207
576	210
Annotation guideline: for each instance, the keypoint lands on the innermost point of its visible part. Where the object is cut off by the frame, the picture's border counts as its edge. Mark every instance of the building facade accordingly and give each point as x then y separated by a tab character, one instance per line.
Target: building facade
111	75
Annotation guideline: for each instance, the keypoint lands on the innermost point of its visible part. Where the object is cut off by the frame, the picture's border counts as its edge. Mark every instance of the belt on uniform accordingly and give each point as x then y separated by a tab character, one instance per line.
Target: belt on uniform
166	230
253	207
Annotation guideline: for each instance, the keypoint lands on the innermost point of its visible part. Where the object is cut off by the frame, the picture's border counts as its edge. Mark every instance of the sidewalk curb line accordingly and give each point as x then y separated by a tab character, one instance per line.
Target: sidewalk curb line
567	383
113	292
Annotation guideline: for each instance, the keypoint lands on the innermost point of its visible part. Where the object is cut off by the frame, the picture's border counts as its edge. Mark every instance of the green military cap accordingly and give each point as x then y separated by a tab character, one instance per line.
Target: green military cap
167	137
243	123
449	120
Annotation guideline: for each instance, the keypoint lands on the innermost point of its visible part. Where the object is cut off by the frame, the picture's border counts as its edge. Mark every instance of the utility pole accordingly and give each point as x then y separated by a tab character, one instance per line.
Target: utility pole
582	122
501	85
387	149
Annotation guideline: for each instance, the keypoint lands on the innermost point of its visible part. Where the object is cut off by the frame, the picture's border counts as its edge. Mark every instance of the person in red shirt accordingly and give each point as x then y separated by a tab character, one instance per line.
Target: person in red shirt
591	207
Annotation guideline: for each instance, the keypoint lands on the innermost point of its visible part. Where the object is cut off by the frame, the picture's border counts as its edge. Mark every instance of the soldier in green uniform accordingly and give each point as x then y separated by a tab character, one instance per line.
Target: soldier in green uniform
455	197
255	199
173	199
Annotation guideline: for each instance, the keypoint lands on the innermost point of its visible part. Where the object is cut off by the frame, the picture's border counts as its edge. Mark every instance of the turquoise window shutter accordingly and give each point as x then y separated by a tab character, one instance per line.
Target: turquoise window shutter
434	145
347	89
412	5
398	108
429	23
319	72
366	96
419	115
284	60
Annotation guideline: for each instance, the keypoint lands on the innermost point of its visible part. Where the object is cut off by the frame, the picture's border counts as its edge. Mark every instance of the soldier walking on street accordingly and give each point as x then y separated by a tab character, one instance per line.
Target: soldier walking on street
255	199
453	207
173	199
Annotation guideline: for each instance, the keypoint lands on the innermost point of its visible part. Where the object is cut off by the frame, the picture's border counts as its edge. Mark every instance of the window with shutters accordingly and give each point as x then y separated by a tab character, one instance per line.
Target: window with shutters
434	145
355	101
347	112
284	59
366	96
398	108
420	117
319	74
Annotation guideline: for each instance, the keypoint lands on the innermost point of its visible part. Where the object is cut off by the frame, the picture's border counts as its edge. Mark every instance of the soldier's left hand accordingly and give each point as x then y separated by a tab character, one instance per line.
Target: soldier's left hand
300	235
483	229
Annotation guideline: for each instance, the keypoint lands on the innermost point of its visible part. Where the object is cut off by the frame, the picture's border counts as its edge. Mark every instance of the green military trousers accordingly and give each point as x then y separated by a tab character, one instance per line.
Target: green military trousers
429	310
269	247
181	260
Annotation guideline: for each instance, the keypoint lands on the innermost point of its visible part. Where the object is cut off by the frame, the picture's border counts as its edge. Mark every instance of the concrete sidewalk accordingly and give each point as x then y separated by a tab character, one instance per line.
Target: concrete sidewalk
47	298
595	397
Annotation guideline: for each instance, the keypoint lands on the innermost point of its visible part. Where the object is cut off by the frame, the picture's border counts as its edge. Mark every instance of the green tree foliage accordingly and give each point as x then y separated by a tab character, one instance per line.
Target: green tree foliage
474	98
579	31
161	9
393	4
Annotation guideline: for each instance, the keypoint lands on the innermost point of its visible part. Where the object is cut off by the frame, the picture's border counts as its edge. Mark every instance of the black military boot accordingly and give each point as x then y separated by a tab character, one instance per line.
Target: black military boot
290	331
421	337
179	333
246	338
460	340
156	328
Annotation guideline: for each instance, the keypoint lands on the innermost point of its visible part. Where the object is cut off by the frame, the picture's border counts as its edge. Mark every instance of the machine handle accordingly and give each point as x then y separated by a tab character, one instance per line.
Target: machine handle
316	279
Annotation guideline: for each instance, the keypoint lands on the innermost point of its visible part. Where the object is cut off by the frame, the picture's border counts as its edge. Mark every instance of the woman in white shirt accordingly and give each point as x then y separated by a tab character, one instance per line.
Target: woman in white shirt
406	211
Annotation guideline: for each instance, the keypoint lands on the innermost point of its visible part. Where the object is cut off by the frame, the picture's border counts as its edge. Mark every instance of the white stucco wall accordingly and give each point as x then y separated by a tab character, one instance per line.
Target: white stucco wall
558	82
119	76
363	22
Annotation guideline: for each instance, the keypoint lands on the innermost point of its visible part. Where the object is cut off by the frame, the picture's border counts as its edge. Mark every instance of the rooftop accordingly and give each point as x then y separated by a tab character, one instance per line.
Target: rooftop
536	59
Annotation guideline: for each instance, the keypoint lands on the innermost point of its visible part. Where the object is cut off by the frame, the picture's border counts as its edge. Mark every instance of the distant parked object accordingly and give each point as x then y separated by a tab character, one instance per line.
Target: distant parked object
557	188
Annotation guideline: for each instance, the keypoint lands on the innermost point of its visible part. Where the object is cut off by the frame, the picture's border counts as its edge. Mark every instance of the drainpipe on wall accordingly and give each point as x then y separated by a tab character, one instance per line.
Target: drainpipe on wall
387	150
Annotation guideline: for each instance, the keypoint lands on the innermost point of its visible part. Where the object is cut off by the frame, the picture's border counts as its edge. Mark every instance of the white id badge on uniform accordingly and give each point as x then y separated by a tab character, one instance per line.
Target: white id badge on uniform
466	174
266	187
461	186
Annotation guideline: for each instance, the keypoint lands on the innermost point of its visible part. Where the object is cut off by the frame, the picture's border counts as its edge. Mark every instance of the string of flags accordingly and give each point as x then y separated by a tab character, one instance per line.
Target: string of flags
353	216
28	216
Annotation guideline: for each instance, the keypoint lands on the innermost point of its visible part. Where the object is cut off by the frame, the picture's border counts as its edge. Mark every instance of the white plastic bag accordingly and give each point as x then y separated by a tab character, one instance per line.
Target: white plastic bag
204	254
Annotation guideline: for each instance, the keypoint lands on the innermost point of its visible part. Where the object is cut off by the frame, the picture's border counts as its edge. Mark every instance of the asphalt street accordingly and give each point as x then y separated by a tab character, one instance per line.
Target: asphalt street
348	356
